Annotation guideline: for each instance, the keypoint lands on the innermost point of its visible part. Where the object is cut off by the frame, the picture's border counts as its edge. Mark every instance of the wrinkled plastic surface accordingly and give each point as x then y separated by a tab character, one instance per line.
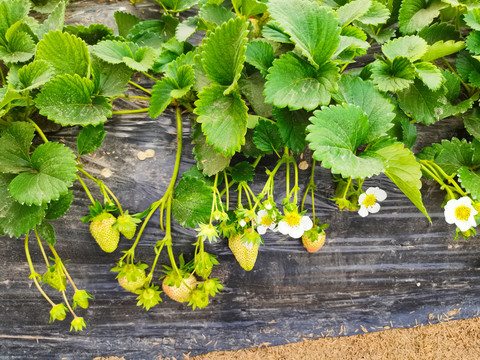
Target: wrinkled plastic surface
392	269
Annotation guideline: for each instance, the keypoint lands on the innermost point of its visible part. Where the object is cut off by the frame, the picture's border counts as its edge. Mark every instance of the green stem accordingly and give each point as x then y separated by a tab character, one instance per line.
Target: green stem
313	206
449	178
227	191
214	197
245	188
296	182
157	255
168	236
33	274
140	87
45	257
349	182
52	249
40	132
149	76
466	86
132	97
163	6
131	111
235	9
2	77
311	185
288	174
437	179
68	304
86	189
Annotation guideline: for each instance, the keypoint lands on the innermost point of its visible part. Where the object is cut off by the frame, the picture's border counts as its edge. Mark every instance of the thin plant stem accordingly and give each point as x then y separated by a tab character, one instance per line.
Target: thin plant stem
45	257
34	274
86	189
140	87
68	304
135	111
449	178
287	175
296	182
157	255
227	190
40	132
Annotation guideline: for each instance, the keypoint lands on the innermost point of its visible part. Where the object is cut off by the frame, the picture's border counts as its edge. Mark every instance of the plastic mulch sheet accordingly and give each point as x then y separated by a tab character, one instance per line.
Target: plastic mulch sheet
392	269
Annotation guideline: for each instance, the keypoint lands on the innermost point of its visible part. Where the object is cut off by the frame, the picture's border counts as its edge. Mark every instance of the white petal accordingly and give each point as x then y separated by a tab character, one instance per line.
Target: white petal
242	223
272	226
451	205
374	208
283	227
261	229
463	225
450	215
371	190
248	245
363	211
361	198
473	212
380	194
306	223
268	206
465	201
296	232
262	213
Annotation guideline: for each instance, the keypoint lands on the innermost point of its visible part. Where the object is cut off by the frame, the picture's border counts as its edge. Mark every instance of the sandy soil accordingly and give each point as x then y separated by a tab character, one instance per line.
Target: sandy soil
449	340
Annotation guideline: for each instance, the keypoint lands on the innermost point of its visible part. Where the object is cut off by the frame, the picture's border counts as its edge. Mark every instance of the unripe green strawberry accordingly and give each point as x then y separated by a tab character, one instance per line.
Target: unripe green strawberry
103	232
313	241
179	293
127	225
246	254
134	278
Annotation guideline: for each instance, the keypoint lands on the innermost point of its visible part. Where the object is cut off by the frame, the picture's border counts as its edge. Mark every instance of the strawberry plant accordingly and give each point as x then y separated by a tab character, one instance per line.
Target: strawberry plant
274	79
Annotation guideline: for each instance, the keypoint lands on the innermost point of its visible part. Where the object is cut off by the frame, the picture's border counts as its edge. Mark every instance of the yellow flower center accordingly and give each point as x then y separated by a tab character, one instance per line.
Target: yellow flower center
462	212
293	219
369	200
266	220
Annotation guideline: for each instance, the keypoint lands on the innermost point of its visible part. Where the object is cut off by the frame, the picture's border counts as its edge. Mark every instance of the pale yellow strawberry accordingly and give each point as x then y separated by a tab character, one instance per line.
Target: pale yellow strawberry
180	293
313	245
103	232
246	254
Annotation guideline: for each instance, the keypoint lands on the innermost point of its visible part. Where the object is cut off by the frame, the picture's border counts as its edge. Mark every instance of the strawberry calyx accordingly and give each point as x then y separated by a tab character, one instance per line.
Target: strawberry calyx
131	276
127	225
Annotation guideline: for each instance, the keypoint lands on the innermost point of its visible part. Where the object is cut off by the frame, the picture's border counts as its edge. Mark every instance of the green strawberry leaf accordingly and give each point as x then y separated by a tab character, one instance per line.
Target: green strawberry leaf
215	15
414	15
20	47
125	22
67	53
252	88
223	53
16	219
53	171
352	11
267	137
69	100
363	94
439	32
272	31
208	160
192	202
403	169
90	139
411	47
11	12
117	52
376	14
112	79
468	68
442	48
45	6
187	28
293	82
57	208
470	181
151	33
47	232
313	29
260	55
335	134
178	5
452	83
430	75
471	120
33	75
243	171
472	19
292	126
15	143
394	76
473	42
54	21
249	7
223	119
92	34
424	105
194	172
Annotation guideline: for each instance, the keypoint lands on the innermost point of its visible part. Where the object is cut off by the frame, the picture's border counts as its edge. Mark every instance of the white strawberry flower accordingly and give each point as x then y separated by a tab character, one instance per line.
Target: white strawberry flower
461	213
265	222
368	201
294	224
